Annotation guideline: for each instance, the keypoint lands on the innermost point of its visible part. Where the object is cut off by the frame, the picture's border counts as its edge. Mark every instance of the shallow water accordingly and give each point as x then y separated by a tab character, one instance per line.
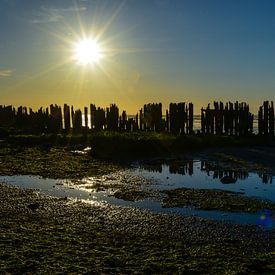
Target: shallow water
191	174
63	188
203	175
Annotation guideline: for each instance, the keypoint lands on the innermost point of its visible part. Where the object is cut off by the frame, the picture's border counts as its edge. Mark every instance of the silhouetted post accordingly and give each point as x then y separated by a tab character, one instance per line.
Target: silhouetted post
260	121
112	117
202	121
92	115
67	122
77	122
191	118
172	114
152	116
140	119
215	118
265	118
231	118
55	118
271	119
136	123
72	114
181	117
251	120
236	120
100	119
226	119
207	119
123	119
86	117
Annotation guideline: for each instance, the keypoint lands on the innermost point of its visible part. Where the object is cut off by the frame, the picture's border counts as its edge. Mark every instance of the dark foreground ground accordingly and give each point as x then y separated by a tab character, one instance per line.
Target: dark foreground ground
40	234
62	236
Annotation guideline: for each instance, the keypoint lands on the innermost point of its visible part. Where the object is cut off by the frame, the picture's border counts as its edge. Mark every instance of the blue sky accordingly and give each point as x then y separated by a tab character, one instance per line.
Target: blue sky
165	50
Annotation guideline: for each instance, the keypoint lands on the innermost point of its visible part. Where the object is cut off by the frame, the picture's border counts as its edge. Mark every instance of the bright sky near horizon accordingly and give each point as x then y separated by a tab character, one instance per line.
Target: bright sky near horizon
152	51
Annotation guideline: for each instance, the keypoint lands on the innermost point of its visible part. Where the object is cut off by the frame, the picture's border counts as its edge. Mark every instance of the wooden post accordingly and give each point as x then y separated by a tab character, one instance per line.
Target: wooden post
271	119
202	121
86	117
265	118
191	118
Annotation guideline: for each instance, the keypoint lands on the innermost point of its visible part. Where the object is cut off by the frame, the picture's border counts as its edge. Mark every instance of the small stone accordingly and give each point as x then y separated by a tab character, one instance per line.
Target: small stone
33	206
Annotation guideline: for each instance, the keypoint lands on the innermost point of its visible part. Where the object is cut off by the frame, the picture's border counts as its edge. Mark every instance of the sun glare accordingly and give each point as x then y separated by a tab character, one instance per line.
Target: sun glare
87	51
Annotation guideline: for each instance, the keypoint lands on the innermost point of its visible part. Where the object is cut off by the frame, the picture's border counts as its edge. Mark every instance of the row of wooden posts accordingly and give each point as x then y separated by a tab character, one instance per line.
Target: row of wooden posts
221	119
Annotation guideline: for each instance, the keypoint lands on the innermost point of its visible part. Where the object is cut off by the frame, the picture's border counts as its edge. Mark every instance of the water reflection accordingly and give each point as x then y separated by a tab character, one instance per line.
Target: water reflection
225	175
266	178
219	172
64	188
185	168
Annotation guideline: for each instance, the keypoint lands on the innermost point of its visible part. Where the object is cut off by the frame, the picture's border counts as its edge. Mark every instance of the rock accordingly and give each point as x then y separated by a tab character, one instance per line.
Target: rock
33	206
227	180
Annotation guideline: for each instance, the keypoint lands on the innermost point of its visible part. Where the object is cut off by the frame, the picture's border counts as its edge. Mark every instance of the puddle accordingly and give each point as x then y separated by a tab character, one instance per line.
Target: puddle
203	175
188	174
64	188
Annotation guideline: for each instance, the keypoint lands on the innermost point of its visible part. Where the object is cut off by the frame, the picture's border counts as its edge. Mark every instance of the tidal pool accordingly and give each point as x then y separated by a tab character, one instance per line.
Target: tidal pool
191	174
204	175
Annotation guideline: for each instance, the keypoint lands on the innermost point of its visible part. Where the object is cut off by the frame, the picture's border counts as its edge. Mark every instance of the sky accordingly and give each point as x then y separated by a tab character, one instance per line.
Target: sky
152	51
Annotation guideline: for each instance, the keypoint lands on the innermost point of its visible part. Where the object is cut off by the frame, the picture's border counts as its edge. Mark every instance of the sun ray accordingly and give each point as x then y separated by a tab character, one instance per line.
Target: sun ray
41	73
82	29
110	21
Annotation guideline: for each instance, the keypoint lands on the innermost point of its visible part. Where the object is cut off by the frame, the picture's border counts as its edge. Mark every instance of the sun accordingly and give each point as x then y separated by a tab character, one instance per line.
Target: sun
87	51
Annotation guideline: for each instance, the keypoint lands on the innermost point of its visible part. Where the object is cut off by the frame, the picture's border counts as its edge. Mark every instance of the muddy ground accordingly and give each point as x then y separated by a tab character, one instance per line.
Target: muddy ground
39	234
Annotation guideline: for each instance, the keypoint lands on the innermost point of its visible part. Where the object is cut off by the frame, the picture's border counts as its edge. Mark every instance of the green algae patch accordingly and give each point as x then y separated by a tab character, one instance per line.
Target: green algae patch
52	162
214	200
64	238
130	194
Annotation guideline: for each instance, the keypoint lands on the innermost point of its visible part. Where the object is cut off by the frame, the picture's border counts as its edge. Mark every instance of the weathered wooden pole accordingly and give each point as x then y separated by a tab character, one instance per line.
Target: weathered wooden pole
191	118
